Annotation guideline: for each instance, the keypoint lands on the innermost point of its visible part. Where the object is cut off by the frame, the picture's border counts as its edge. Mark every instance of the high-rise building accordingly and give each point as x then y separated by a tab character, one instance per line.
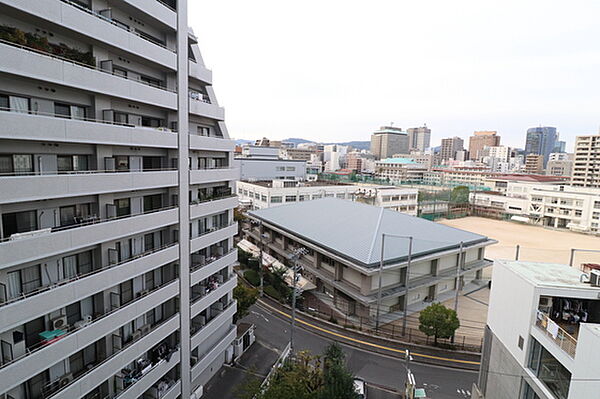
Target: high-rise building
542	141
419	138
116	241
586	166
559	164
389	140
481	139
534	164
450	147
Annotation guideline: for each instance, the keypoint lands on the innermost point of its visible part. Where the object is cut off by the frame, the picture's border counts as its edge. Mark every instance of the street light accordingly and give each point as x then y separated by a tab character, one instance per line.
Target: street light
410	247
294	256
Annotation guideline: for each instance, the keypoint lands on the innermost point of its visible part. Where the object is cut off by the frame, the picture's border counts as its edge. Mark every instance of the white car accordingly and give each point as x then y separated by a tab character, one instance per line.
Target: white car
360	388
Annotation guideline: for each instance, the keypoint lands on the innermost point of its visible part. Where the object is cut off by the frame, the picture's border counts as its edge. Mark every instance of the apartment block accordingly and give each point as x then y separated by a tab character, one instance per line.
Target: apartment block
542	339
560	164
419	138
450	147
343	254
479	140
116	207
534	164
400	170
586	164
389	140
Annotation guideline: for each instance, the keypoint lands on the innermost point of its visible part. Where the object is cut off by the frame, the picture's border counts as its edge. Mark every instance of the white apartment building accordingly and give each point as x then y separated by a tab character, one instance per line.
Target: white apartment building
116	203
542	339
586	164
266	194
398	170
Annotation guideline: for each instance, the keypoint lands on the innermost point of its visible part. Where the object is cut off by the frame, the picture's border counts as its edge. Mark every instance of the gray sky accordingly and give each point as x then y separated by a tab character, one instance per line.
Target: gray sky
333	70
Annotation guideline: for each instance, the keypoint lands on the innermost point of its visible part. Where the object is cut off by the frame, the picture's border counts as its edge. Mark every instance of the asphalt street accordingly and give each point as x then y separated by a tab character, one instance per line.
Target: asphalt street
384	374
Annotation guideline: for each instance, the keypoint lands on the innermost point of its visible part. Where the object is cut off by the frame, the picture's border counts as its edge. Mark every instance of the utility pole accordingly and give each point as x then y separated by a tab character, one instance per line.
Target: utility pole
294	256
458	270
410	245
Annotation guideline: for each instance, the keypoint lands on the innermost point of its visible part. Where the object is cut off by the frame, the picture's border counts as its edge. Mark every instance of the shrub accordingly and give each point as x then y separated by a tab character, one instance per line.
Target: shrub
272	292
252	277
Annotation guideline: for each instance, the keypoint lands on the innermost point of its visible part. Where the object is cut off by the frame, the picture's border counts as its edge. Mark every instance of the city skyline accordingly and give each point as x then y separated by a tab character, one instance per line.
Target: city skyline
340	85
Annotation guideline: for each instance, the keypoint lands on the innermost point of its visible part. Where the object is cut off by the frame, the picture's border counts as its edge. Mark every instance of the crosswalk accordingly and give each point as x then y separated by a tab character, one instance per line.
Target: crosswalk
464	392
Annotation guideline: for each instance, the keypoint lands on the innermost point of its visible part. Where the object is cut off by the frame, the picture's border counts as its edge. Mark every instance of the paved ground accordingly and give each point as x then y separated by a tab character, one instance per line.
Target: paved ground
384	374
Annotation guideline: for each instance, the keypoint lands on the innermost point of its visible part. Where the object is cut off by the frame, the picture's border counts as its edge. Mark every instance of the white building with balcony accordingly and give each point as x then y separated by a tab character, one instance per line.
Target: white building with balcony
116	207
542	340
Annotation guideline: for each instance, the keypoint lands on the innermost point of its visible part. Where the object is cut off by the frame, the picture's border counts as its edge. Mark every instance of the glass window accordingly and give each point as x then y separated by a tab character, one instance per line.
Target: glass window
151	81
80	162
65	163
67	215
69	266
19	104
122	162
19	222
290	168
119	72
6	164
149	242
78	112
62	110
123	207
152	202
14	284
31	278
23	163
549	370
151	122
3	102
290	198
276	199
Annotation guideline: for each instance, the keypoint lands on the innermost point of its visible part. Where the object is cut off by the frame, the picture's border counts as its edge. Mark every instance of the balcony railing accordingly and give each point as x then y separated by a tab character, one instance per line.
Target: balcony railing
210	260
81	64
77	277
90	221
162	129
563	339
212	285
110	21
214	228
82	172
212	199
73	329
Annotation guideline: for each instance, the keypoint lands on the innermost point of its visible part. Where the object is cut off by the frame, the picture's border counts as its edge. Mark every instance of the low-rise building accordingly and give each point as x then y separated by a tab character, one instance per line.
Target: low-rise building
263	163
343	241
542	339
266	194
560	164
399	170
534	164
297	154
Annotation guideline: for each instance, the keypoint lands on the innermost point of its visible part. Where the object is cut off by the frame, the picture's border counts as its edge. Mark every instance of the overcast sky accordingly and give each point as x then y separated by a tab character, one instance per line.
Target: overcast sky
333	70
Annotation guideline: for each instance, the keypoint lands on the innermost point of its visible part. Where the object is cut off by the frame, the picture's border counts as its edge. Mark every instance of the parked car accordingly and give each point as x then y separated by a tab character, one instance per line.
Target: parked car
360	388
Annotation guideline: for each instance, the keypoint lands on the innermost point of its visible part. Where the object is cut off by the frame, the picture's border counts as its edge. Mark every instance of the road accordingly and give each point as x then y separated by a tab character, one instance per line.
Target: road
378	370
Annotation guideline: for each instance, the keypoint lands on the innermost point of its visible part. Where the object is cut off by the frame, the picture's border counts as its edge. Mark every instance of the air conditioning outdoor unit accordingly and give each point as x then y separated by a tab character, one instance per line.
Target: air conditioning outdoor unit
198	392
59	323
145	329
595	278
137	334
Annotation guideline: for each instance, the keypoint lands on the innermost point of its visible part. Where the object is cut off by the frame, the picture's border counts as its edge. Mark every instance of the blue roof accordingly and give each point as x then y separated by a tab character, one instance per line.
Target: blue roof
398	160
353	230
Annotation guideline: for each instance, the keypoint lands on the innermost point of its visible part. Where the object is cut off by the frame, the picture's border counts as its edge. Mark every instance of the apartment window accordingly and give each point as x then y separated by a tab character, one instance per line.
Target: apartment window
76	265
151	163
123	207
3	102
290	168
62	110
276	199
120	72
303	197
22	163
122	162
203	131
18	104
149	242
280	168
329	195
340	195
577	212
31	279
152	202
151	81
527	392
121	118
148	121
290	198
126	290
263	198
220	162
19	222
240	191
549	370
202	163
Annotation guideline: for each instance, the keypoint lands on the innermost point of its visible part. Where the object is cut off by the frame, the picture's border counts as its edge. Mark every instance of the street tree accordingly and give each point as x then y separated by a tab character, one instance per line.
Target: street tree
460	195
438	321
245	297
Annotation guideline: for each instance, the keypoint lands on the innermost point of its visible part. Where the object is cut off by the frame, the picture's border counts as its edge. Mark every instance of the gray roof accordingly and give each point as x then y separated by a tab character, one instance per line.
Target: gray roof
353	230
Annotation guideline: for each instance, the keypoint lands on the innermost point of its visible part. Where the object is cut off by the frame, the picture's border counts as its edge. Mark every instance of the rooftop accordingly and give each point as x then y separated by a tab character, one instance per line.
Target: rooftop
353	230
530	178
318	183
398	160
549	275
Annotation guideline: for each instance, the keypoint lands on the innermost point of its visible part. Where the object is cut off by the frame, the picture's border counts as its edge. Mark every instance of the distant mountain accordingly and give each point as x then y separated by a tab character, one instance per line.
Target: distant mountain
242	141
359	145
297	141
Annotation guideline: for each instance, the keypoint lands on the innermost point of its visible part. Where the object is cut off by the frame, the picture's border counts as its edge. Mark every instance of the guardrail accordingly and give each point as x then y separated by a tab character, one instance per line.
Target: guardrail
560	336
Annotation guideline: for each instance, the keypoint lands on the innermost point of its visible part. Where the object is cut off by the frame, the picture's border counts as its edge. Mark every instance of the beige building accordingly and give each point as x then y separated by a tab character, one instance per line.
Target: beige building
419	138
534	164
560	164
296	154
450	147
586	166
388	141
481	139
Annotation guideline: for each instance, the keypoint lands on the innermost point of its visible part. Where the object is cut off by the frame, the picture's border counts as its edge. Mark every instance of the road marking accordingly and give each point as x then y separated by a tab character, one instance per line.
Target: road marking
259	314
335	334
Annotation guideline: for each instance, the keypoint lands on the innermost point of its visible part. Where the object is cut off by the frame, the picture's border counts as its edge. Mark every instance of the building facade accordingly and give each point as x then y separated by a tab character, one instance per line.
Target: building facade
116	168
389	140
586	164
542	339
450	147
398	170
343	254
560	164
541	141
419	138
479	140
534	164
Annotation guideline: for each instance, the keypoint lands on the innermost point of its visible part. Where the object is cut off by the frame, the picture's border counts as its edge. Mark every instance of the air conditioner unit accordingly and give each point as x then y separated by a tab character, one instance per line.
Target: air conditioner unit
65	379
198	392
595	278
143	292
145	329
137	334
59	323
194	359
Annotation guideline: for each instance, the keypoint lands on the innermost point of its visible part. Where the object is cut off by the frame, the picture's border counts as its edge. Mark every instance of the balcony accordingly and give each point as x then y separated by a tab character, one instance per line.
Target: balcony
151	376
24	61
556	333
202	108
158	10
205	207
213	354
106	368
213	236
49	298
202	176
36	187
97	27
211	143
39	357
211	297
45	243
200	72
48	127
210	266
212	325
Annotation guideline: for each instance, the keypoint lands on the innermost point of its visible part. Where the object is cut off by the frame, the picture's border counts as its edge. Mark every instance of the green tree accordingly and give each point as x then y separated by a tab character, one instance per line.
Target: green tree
438	321
460	195
243	257
338	381
245	297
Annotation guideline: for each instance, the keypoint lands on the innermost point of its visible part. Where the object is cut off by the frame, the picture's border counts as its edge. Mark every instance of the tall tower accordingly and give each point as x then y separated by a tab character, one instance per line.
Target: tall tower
116	241
586	163
419	138
387	141
541	141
